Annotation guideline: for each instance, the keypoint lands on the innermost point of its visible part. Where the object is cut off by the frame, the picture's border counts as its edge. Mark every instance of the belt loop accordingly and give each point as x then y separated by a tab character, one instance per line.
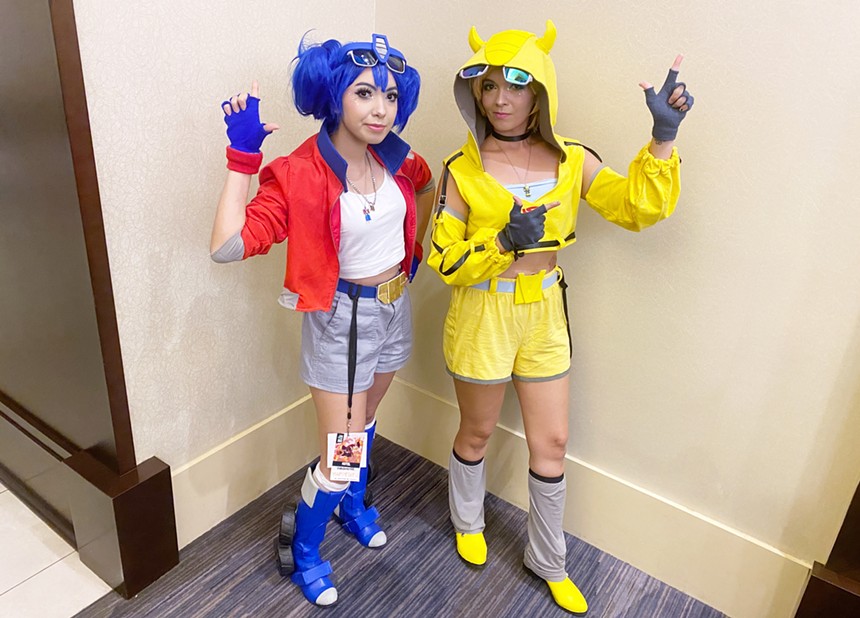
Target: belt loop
494	284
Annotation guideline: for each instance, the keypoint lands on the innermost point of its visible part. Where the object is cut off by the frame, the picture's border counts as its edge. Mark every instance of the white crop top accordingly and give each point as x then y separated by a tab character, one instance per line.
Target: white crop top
536	190
368	248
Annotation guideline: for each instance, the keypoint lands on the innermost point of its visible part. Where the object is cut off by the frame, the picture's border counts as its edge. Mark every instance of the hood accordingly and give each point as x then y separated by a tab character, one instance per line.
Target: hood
521	50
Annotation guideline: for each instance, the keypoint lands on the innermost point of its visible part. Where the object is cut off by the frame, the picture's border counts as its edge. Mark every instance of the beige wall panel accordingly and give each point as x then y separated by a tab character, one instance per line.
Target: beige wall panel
207	350
702	557
213	486
716	355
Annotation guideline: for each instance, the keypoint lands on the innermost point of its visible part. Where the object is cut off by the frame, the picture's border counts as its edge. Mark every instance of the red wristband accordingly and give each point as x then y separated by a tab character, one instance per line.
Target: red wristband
244	162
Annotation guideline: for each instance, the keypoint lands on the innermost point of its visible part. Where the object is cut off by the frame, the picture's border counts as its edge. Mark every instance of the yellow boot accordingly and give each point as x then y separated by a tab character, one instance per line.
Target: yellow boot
568	596
472	548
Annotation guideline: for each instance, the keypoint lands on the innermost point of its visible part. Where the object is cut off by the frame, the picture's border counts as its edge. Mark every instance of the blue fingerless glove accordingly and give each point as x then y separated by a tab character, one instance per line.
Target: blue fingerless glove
667	119
523	229
244	129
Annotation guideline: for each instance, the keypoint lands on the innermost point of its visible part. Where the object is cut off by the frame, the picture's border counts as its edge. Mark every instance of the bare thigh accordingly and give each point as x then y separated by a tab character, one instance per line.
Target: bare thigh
331	418
331	409
545	418
480	405
381	382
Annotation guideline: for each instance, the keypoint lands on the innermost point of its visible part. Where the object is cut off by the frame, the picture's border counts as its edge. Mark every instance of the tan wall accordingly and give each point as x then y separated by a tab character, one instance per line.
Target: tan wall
208	351
716	355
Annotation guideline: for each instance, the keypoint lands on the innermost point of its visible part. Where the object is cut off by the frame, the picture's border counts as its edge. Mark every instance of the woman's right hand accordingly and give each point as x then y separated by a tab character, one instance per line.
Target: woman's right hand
526	227
242	116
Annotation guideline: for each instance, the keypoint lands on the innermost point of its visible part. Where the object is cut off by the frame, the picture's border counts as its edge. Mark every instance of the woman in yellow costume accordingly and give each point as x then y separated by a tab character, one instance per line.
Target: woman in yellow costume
507	203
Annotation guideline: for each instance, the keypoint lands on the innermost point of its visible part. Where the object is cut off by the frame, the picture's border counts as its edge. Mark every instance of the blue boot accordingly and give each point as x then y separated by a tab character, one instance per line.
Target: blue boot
354	515
312	515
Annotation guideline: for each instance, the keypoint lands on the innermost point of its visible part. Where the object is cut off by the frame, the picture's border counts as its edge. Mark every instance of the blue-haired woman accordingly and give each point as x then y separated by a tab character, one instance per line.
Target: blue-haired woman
354	201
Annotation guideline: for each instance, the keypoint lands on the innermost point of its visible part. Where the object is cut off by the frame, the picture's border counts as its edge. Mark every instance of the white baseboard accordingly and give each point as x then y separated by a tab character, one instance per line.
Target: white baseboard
209	489
704	558
710	561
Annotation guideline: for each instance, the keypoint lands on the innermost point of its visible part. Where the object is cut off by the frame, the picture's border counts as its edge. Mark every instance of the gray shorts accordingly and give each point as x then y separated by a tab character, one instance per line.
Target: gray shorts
384	342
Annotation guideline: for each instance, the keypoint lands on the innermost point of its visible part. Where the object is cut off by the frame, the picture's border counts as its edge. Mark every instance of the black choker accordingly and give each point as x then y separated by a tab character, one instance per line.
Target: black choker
510	138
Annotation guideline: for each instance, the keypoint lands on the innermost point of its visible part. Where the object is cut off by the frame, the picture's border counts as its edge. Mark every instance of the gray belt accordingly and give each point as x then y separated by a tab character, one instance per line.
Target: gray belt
508	286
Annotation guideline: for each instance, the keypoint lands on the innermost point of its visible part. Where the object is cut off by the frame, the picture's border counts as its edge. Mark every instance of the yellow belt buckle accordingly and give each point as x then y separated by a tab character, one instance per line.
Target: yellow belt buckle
529	288
391	290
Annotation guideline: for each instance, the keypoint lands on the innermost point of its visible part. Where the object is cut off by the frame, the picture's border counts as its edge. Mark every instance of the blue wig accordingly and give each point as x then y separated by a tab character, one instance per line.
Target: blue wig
323	72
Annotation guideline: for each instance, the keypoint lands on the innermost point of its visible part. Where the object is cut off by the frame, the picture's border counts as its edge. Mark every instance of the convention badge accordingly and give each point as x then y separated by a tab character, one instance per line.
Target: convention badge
529	288
347	455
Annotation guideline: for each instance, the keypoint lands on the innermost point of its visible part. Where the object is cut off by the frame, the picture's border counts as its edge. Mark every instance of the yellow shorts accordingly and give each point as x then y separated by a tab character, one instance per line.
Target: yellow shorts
489	337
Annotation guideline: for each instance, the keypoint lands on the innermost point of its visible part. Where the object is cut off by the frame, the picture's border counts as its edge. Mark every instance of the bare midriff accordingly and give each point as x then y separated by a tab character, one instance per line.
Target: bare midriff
531	263
382	277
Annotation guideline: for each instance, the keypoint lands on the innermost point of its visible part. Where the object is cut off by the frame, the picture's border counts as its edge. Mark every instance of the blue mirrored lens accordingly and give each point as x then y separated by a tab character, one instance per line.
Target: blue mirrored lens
368	58
475	71
363	57
516	76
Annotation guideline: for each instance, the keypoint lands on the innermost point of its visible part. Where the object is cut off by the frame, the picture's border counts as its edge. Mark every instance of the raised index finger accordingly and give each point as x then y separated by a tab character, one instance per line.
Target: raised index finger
255	89
677	64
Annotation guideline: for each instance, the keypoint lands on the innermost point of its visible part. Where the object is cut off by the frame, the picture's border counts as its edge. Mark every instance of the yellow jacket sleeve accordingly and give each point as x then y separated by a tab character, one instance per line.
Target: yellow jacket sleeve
462	261
648	194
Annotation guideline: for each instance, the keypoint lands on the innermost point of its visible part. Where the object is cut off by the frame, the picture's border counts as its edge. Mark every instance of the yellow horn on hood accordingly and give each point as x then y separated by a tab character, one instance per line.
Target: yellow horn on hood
475	41
545	42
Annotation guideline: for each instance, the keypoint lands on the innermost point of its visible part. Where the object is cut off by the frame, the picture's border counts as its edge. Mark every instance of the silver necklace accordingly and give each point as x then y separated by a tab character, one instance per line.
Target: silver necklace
526	188
369	206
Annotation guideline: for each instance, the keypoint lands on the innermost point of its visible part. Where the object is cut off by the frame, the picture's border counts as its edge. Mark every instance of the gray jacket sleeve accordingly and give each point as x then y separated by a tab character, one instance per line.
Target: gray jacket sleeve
233	250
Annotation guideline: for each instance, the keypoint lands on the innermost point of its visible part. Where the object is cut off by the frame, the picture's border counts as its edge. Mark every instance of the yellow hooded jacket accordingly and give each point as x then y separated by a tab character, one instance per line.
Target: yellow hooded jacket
464	252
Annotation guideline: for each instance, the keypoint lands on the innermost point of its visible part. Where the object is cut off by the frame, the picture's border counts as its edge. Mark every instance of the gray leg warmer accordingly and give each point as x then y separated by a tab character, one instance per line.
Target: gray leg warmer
546	549
467	484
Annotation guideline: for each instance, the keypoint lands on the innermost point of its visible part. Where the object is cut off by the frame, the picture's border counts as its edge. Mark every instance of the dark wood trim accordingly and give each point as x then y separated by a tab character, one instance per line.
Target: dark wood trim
828	595
124	525
88	486
834	589
845	557
40	433
83	160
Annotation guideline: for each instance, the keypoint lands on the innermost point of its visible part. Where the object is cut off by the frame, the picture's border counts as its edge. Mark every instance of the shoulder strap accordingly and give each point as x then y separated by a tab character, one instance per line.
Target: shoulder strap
586	148
443	191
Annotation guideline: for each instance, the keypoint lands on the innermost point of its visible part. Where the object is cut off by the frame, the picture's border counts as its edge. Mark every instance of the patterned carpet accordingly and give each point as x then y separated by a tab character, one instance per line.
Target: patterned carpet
231	571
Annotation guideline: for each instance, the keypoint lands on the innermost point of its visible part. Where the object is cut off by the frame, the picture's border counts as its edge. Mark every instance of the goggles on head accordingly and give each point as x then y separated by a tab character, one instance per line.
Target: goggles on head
370	54
512	75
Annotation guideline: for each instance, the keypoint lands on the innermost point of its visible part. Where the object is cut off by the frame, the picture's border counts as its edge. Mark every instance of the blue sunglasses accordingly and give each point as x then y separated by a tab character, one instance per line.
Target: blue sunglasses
512	75
370	54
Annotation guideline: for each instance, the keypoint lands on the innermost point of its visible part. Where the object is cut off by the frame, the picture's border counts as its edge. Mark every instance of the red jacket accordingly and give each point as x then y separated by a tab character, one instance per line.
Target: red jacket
299	198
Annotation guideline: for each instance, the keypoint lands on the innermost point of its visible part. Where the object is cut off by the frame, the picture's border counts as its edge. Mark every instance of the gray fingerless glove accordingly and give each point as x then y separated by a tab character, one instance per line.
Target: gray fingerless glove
524	228
667	119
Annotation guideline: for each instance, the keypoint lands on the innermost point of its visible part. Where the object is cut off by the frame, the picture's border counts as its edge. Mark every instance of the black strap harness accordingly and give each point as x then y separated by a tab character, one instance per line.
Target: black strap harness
443	200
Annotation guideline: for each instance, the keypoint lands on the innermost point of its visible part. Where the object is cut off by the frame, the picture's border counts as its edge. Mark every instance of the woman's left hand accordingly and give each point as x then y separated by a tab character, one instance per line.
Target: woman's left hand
669	106
242	116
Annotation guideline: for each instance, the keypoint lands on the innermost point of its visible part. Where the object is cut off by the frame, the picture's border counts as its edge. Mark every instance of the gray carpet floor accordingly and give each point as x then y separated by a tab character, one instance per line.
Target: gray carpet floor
231	570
